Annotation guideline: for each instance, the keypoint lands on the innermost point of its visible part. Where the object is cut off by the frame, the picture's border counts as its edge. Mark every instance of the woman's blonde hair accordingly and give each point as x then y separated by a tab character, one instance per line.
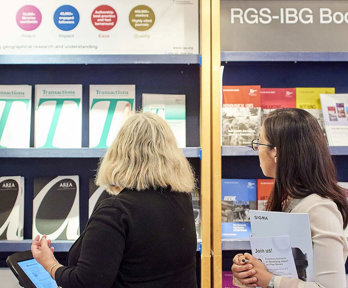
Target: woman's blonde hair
145	155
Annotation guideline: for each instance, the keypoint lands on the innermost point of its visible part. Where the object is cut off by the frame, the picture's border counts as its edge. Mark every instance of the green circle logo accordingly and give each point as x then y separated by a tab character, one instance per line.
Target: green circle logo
142	18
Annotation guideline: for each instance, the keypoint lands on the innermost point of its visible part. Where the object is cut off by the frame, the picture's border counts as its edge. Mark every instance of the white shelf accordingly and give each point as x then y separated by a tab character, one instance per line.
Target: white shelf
101	59
23	245
275	56
59	245
247	151
235	244
189	152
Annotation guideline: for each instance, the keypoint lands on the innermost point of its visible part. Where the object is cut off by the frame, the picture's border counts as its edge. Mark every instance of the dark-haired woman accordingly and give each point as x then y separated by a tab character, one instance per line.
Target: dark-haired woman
293	151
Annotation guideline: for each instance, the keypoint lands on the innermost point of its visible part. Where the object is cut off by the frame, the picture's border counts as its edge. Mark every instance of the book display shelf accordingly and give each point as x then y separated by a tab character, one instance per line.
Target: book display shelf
170	74
268	69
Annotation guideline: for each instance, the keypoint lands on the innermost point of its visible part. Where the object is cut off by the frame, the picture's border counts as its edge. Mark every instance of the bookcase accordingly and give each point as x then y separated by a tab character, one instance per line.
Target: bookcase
187	74
268	69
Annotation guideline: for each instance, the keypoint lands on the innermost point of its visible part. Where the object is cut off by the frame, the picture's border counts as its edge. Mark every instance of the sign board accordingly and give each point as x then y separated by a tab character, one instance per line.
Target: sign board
89	27
311	26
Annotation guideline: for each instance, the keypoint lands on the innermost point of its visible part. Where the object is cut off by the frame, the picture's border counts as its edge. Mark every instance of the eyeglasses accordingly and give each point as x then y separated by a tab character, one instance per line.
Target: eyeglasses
256	143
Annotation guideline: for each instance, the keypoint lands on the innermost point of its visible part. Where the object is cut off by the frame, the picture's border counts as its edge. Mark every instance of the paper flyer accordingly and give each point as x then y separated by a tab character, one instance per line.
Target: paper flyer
276	253
294	225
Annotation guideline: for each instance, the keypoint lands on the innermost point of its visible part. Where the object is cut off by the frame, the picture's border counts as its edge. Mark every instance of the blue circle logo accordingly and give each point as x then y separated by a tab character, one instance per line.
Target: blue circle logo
66	17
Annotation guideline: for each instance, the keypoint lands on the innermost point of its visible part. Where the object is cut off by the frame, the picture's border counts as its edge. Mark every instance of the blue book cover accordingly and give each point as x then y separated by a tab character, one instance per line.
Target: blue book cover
238	197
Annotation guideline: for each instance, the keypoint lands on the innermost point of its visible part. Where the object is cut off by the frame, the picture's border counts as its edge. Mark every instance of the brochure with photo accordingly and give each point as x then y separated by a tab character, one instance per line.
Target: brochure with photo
335	113
238	197
241	114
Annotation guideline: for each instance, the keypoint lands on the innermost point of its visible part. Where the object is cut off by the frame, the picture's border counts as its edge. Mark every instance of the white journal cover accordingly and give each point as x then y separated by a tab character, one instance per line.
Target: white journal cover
109	106
275	252
294	225
56	207
96	194
172	108
11	207
196	205
15	116
335	114
58	116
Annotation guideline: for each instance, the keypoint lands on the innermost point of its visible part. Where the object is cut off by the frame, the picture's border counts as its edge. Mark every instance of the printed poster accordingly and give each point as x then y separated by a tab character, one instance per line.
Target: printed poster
91	27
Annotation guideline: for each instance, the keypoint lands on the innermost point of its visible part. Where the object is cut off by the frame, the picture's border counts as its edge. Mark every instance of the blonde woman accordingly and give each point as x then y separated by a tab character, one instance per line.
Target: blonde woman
144	234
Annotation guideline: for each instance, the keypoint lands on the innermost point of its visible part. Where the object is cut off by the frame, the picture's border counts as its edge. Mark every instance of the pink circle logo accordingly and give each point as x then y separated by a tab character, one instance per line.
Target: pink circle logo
28	18
104	17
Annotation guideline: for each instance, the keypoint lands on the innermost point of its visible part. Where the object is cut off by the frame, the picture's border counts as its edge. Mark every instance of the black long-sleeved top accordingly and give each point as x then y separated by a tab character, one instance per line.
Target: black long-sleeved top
136	239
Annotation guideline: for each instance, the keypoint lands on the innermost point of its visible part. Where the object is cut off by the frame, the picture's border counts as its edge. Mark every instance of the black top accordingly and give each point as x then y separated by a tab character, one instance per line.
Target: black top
136	239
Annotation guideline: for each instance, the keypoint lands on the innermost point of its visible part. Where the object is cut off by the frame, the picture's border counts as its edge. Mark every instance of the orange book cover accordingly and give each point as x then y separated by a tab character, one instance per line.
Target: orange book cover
245	96
264	188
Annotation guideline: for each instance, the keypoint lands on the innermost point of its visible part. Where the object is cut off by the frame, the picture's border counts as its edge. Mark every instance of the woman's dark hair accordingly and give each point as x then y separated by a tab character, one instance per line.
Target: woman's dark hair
304	163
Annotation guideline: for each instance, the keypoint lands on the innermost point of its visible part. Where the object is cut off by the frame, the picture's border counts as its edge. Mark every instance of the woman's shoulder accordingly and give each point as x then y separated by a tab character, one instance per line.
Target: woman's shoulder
314	201
317	207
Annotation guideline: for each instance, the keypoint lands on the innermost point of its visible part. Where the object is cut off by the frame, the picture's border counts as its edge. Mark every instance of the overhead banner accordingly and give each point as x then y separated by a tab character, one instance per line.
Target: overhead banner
312	26
89	27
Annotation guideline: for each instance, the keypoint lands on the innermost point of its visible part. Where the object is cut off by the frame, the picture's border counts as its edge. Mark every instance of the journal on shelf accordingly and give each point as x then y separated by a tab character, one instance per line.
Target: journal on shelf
56	207
58	116
172	108
15	116
335	114
96	194
11	207
264	188
308	98
109	106
241	114
238	197
276	98
196	204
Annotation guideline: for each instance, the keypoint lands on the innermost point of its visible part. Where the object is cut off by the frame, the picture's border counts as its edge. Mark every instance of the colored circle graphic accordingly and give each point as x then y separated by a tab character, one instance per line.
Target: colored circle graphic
104	18
66	17
142	18
28	18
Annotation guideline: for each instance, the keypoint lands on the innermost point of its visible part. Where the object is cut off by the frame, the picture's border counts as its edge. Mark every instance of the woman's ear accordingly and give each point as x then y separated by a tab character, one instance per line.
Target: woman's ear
275	154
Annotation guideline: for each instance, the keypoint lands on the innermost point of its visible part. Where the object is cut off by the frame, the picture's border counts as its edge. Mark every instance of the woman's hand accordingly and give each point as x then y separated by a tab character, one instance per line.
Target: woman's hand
42	252
243	271
257	271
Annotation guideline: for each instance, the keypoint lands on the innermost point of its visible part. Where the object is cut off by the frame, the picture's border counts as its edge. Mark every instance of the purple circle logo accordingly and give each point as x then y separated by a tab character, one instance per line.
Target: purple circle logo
28	18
